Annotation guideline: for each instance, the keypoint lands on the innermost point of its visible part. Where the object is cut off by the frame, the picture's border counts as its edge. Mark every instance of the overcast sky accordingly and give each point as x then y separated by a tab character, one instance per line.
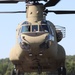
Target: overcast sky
9	22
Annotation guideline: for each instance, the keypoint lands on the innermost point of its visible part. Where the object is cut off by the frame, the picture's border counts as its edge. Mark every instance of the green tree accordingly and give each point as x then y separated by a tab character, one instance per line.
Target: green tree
6	66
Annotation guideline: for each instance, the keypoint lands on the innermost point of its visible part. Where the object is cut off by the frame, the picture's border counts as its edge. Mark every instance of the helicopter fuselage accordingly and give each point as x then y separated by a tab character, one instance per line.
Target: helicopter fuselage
36	43
37	48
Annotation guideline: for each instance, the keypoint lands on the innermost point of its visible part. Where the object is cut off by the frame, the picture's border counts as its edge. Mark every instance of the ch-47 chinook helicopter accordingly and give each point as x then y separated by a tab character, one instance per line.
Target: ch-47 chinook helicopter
37	48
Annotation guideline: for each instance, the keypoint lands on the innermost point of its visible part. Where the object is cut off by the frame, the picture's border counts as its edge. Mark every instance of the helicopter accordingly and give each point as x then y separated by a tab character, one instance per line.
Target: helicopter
37	48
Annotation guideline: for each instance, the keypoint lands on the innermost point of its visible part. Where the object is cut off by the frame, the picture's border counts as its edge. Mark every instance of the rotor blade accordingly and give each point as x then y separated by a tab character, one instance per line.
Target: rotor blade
11	1
62	12
51	3
9	12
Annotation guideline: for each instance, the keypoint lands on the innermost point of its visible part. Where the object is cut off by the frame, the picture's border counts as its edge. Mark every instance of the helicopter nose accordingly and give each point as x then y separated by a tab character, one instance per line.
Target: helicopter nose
28	41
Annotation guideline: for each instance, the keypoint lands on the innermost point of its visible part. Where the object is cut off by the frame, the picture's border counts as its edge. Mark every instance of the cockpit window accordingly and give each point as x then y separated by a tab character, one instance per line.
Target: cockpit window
25	29
34	28
43	28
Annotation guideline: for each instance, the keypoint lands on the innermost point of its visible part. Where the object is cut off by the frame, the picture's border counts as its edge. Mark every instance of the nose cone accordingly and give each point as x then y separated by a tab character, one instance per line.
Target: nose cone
34	38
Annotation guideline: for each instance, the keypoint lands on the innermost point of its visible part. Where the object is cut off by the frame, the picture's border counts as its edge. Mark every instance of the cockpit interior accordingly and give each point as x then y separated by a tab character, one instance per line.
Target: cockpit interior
34	28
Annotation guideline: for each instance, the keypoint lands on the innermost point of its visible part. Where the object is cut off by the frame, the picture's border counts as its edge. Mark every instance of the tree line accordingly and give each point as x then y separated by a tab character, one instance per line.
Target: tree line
6	66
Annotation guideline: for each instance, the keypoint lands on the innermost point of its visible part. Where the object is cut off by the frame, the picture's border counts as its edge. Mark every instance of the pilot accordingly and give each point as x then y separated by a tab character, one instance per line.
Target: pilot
46	30
34	30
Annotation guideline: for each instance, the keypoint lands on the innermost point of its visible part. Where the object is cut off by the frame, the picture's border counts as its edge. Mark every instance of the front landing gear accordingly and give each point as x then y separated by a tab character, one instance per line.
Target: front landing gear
62	71
39	69
13	72
16	72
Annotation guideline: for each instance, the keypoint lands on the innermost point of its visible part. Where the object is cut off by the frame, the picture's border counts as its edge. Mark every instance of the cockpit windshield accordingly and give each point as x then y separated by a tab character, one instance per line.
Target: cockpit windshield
25	29
34	28
43	28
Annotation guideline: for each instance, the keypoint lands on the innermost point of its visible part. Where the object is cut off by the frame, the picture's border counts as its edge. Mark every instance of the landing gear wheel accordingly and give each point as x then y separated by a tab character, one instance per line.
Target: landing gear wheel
22	73
17	72
62	71
39	70
13	72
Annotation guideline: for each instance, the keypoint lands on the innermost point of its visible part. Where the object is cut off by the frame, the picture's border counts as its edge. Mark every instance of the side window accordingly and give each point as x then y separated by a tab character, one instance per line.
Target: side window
19	31
43	28
50	29
52	32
